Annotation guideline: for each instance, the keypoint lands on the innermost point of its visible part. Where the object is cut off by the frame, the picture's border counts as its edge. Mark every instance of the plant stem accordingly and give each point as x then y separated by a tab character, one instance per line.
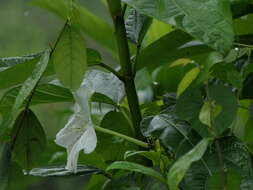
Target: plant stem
130	139
125	62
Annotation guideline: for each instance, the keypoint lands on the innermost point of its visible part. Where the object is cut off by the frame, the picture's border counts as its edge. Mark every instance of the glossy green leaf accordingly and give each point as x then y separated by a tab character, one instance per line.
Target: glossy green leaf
5	159
187	80
60	171
180	167
93	57
25	91
69	57
92	25
136	168
209	21
29	139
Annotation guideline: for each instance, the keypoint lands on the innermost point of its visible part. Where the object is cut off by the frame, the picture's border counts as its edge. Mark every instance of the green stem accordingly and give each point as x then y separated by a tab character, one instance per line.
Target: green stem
125	62
127	138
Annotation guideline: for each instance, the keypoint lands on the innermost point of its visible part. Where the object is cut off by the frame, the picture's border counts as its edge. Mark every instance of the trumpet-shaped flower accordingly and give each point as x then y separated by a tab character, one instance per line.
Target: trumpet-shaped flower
79	134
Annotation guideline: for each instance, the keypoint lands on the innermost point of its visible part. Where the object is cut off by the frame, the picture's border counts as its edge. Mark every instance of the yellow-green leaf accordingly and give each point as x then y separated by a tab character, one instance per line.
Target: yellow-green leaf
187	80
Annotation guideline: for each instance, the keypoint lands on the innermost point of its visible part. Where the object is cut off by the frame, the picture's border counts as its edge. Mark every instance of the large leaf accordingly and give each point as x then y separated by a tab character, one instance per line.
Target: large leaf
180	167
69	57
123	165
235	157
93	26
29	139
44	94
61	171
25	91
5	158
209	21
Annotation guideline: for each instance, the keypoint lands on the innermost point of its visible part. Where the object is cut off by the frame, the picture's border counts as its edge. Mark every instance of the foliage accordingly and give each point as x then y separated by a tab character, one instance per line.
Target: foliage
176	112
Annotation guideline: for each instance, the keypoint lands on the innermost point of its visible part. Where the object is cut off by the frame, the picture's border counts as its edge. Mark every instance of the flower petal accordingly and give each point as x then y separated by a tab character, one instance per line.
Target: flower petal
87	142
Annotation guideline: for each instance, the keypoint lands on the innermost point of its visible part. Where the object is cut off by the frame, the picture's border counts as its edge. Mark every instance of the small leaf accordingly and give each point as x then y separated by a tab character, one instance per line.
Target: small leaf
208	112
29	139
136	168
101	98
180	167
93	57
70	58
136	26
5	159
60	171
187	80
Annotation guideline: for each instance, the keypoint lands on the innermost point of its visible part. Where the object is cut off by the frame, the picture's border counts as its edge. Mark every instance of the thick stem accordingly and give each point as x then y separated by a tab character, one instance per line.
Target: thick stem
125	62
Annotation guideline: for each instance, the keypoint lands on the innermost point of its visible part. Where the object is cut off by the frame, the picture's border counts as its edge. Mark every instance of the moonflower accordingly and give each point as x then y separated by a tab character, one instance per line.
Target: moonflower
79	134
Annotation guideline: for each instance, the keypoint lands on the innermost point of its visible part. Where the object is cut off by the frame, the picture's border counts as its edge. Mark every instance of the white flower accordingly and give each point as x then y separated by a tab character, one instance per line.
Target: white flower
79	134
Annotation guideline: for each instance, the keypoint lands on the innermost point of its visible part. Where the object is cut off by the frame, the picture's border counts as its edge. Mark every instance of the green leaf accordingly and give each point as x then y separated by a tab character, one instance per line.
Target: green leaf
187	80
101	98
60	171
224	97
233	181
29	139
43	94
171	73
70	58
236	158
136	26
208	112
121	183
7	62
163	50
93	26
5	159
227	73
156	30
209	21
93	57
180	167
118	146
123	165
188	107
25	91
17	73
